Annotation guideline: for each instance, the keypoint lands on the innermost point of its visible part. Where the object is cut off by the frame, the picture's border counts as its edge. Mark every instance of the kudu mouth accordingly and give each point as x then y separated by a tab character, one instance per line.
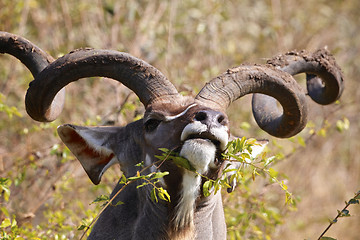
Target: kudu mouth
216	137
206	136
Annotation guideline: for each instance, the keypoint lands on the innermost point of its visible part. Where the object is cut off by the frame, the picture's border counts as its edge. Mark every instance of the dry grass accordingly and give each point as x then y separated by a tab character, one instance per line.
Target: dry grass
191	42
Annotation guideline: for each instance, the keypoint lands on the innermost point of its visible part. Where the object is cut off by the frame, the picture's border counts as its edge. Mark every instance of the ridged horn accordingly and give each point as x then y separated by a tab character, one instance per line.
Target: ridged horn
29	54
221	91
148	83
324	80
324	77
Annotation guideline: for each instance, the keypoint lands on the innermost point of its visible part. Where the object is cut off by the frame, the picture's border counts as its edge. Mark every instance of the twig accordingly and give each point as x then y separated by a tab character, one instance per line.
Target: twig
103	209
117	110
118	192
340	213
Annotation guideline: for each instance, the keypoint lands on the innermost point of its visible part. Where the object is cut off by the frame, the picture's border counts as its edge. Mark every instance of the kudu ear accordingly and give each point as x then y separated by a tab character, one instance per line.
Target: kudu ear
91	146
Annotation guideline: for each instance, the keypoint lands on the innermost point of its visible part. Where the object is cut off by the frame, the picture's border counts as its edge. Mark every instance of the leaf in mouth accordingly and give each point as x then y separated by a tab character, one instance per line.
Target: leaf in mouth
173	156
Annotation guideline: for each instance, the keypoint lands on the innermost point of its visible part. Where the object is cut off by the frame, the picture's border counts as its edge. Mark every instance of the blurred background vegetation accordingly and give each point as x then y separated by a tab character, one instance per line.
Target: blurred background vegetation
45	189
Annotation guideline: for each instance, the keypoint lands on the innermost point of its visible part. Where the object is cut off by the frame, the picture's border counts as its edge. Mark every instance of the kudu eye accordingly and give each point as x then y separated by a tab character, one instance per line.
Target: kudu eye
151	124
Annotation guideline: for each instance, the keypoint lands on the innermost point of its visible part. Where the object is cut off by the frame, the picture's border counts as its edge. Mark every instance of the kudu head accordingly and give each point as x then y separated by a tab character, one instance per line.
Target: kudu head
196	128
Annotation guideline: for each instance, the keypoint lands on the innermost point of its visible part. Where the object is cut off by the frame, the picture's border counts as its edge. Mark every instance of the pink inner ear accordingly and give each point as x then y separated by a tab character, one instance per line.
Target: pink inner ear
94	159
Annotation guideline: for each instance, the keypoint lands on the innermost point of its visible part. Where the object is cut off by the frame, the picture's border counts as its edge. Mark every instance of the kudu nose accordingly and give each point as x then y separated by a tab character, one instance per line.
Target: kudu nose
211	118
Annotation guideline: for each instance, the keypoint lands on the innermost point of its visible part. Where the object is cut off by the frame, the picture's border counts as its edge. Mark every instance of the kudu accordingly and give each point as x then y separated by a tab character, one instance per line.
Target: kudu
196	128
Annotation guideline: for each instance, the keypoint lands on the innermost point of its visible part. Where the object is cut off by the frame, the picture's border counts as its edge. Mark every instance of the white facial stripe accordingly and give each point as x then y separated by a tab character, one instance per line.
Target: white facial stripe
169	118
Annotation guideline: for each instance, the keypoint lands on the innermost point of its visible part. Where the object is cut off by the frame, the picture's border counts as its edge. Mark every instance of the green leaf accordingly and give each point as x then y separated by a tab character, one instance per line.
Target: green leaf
153	195
251	141
119	203
268	161
230	170
165	150
5	184
5	211
6	223
141	164
137	177
357	195
14	223
217	186
10	111
179	161
231	179
283	185
333	221
123	179
183	162
327	238
206	187
82	227
354	201
254	173
236	145
344	213
343	125
142	185
288	198
163	194
273	173
101	198
245	155
159	175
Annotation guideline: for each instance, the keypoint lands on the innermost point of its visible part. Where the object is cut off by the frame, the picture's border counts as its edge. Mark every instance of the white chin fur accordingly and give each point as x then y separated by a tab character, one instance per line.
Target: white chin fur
200	153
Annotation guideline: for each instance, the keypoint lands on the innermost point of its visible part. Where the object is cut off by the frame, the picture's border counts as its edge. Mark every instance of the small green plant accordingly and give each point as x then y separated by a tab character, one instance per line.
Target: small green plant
10	111
240	151
5	184
13	232
341	213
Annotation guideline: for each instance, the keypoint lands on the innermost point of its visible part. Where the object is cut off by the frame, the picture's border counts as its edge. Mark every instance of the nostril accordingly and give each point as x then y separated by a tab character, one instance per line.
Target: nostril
221	119
200	116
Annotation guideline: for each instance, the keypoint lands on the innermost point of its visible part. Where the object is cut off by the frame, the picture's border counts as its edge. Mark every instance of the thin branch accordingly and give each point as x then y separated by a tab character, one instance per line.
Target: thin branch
117	110
340	214
118	192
